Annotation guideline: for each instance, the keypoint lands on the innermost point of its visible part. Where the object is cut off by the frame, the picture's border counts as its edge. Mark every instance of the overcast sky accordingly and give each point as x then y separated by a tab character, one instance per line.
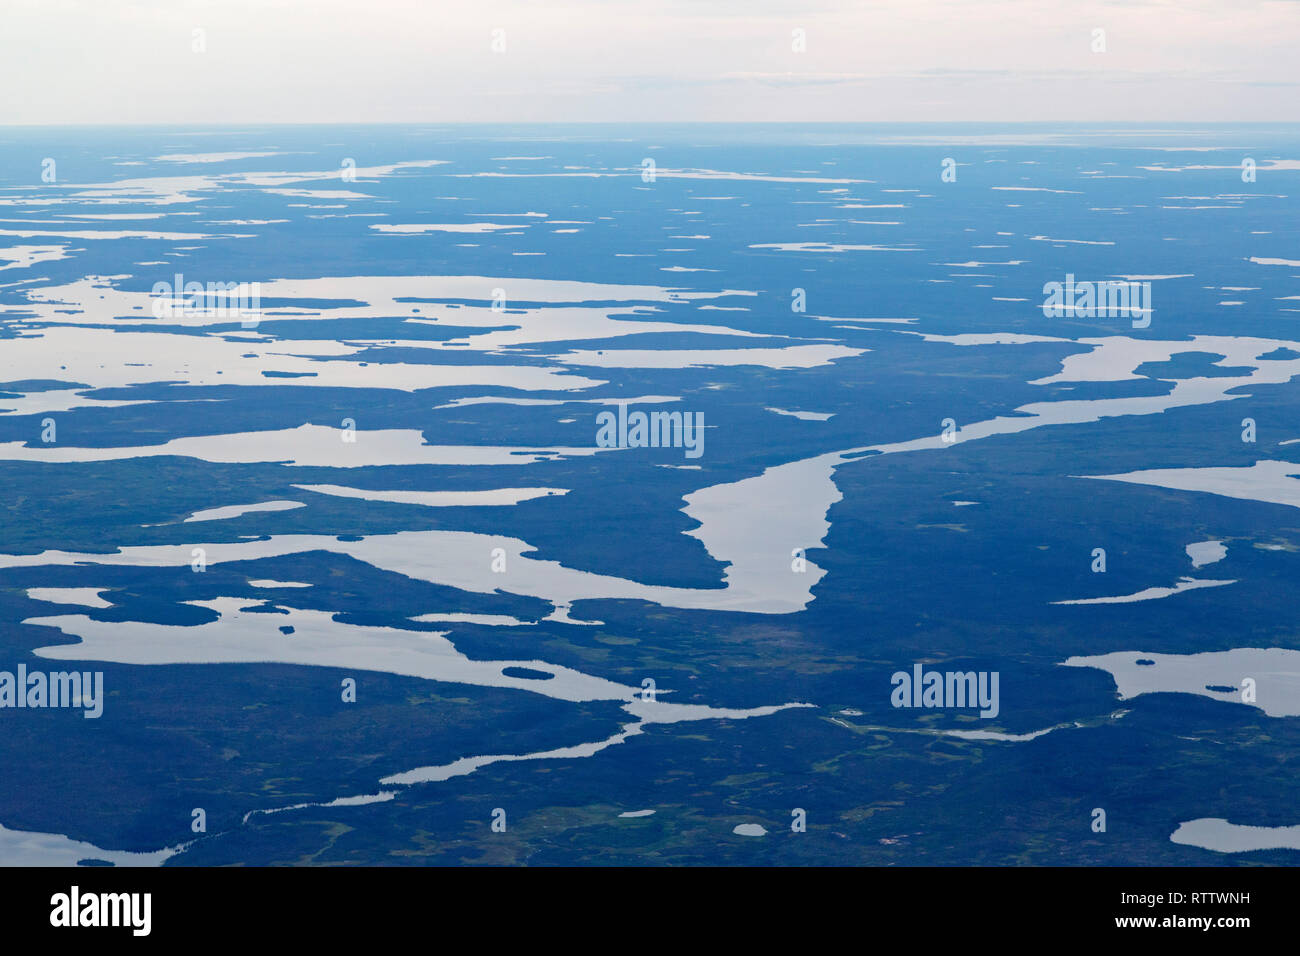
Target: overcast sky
134	61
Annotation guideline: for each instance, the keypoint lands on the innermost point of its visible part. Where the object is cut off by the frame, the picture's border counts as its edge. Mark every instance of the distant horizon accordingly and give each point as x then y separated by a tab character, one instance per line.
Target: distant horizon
75	62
